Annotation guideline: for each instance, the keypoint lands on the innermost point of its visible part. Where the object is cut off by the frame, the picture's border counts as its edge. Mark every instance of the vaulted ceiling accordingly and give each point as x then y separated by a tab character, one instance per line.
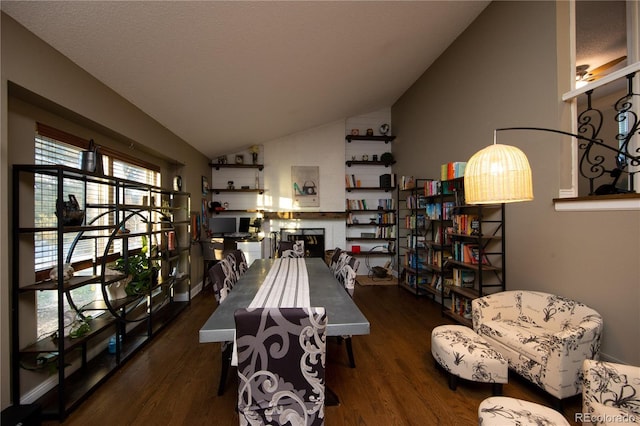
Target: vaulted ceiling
223	75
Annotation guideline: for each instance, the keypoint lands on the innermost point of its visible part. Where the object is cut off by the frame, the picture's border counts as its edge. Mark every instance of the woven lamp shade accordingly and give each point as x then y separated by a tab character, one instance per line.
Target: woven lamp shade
498	174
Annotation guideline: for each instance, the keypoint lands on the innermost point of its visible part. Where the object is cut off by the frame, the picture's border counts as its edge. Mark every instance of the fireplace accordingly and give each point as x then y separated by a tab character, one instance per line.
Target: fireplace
313	239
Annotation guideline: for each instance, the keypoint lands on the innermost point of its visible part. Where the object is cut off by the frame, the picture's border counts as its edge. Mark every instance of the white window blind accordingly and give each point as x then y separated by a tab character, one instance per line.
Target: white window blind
54	147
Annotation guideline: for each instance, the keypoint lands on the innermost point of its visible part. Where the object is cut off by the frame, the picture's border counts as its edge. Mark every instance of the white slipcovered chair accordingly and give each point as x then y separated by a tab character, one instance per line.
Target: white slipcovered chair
610	393
544	337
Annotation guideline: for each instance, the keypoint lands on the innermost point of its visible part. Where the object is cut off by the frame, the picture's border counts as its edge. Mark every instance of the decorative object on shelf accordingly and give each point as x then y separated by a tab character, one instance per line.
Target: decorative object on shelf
365	157
244	187
353	158
239	159
177	183
387	158
355	132
205	185
257	180
72	215
67	272
375	157
254	150
91	160
116	290
369	132
230	185
222	159
384	129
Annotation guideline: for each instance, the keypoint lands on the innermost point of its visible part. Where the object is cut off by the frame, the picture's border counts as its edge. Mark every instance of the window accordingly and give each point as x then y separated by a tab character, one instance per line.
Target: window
55	147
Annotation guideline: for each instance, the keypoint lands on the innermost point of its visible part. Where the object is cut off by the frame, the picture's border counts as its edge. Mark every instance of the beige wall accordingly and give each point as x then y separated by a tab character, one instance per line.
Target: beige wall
68	97
501	72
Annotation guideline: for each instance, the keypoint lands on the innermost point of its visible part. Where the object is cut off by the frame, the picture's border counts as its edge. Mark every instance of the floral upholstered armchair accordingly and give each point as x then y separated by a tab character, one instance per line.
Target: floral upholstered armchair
544	337
610	393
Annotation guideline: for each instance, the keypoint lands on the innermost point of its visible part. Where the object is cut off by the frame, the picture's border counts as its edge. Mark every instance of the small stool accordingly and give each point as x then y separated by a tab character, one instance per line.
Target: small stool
504	411
462	353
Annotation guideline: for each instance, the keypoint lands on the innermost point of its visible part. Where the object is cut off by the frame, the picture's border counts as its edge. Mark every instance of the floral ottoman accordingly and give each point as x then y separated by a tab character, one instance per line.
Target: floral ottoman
504	411
464	354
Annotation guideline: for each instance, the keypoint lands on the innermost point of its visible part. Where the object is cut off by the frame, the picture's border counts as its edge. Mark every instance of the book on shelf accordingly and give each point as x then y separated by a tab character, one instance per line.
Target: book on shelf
463	278
466	224
452	170
461	306
431	188
351	181
388	180
416	241
407	182
414	221
477	254
385	231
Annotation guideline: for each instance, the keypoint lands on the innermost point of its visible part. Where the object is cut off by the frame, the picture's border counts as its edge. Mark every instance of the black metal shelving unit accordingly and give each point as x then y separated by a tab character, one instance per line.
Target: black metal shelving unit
83	362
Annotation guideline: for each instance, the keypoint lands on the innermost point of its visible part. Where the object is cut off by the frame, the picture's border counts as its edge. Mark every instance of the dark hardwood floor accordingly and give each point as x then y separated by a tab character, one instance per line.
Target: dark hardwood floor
174	379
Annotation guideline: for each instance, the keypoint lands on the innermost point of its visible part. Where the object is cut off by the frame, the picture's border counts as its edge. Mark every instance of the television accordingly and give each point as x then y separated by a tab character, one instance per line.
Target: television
222	225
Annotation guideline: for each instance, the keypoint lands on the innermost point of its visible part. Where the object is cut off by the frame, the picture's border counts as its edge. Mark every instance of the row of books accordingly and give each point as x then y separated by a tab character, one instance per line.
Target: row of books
371	204
388	218
414	221
437	211
437	258
414	260
417	202
463	278
461	306
407	182
452	170
416	241
387	180
386	232
466	224
469	253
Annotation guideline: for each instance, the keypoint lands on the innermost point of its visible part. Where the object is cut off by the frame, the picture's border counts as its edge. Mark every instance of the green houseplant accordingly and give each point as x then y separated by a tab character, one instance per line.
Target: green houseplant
139	271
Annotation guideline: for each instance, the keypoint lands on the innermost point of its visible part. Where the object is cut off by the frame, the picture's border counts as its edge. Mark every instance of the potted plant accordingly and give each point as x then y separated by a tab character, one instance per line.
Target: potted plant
141	274
254	150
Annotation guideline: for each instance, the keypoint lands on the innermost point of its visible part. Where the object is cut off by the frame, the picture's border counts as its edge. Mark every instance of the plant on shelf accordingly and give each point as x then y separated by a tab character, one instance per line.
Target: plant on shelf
138	269
254	150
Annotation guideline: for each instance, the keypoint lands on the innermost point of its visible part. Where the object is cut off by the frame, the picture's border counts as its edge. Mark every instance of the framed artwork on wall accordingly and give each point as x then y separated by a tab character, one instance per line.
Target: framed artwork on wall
304	182
205	185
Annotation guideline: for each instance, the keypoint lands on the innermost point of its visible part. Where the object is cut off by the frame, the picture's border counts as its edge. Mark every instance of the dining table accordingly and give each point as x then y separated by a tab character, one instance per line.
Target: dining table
343	315
286	283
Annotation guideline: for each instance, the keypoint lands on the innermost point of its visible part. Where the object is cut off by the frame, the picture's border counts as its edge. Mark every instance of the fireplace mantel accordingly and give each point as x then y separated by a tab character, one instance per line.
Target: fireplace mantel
304	215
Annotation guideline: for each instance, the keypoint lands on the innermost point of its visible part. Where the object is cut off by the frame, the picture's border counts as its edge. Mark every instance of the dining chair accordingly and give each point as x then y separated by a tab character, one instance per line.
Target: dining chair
291	248
281	365
212	252
346	272
238	263
221	277
333	263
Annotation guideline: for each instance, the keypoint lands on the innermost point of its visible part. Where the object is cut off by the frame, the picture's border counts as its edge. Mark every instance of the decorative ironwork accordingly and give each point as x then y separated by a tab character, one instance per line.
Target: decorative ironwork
600	160
622	161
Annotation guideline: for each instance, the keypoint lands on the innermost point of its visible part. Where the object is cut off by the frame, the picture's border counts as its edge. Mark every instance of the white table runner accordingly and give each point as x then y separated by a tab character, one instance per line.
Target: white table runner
285	286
